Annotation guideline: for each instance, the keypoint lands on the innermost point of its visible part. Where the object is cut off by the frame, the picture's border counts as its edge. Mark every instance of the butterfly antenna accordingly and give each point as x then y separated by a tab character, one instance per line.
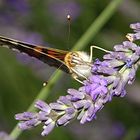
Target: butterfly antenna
69	24
45	83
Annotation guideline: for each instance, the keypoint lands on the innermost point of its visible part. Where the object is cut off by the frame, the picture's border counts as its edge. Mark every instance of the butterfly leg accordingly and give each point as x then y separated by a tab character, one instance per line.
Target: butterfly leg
96	47
75	75
78	80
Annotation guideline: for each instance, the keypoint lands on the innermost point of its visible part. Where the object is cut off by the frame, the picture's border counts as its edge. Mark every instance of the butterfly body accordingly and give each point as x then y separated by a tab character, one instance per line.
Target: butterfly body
79	64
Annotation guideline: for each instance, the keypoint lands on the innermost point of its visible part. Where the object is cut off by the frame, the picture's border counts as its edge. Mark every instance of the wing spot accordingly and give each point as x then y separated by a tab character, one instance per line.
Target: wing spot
38	49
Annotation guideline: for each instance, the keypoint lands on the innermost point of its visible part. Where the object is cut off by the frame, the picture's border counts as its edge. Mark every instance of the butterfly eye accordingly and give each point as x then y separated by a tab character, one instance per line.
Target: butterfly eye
74	54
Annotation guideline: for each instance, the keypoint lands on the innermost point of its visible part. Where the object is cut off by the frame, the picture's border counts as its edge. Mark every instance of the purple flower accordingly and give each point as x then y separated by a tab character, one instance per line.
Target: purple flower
109	78
29	120
134	36
96	86
4	136
13	11
118	129
20	6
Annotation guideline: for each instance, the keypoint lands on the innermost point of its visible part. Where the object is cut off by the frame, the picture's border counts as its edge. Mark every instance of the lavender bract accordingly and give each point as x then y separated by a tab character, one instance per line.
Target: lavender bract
109	78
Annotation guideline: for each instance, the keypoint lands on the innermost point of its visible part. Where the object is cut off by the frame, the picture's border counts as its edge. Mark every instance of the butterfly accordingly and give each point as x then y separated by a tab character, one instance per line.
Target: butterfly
77	63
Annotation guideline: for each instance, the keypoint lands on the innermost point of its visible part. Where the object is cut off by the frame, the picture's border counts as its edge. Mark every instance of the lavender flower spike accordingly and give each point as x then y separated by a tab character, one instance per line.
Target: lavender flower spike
109	78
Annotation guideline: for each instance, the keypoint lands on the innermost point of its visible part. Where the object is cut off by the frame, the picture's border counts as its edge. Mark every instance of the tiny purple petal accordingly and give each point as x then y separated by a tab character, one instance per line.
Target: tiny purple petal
79	104
87	104
120	48
80	115
130	45
77	94
99	105
133	37
65	119
28	124
123	93
135	26
57	106
70	110
90	113
119	88
25	116
42	116
48	129
48	121
64	100
84	118
132	76
129	63
43	106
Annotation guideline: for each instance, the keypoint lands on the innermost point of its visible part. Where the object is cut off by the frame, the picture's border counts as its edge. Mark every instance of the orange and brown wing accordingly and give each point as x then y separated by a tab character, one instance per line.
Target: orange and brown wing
52	57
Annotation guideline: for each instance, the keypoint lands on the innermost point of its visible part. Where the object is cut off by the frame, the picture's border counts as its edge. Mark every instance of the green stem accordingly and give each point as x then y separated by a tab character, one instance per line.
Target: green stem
97	24
83	41
43	94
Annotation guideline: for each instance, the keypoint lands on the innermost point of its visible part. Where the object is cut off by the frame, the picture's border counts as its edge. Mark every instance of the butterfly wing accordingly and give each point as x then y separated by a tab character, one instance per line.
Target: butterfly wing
52	57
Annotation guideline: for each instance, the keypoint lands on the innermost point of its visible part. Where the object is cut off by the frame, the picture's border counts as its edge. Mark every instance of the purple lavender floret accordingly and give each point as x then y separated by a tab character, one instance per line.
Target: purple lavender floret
109	78
134	36
5	136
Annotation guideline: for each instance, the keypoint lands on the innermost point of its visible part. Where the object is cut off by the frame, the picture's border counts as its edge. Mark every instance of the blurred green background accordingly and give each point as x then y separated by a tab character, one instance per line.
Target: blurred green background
44	22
